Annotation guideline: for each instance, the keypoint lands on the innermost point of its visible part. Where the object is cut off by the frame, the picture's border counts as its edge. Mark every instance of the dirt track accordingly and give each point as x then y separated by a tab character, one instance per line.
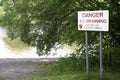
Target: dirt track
15	69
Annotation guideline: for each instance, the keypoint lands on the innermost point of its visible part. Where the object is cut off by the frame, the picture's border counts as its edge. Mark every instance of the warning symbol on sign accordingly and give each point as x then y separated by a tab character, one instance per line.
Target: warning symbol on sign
80	26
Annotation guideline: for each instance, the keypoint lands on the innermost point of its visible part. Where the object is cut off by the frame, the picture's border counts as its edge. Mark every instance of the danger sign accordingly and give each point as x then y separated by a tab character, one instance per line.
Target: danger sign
93	20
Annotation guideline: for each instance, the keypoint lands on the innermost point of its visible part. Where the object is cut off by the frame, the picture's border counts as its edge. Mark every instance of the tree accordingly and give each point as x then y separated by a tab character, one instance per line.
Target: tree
45	23
1	2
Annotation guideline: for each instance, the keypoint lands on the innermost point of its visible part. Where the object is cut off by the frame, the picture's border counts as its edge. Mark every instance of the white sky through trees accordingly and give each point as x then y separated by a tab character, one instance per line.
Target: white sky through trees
5	52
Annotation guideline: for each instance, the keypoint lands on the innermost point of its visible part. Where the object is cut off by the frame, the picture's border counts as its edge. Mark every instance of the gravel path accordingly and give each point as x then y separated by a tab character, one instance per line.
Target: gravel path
16	69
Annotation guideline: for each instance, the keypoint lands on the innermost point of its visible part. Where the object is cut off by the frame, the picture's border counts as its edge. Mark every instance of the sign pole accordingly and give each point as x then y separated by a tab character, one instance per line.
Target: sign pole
87	63
100	55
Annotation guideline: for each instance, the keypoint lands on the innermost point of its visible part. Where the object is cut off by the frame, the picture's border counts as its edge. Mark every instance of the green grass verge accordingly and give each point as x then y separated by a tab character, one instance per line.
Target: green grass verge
1	78
60	77
82	76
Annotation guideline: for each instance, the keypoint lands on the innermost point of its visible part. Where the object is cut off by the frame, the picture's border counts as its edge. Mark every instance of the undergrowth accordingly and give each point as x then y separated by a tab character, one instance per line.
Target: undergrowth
68	65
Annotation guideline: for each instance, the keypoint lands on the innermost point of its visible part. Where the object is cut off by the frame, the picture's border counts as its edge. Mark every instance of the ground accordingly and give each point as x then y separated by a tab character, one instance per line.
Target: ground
16	69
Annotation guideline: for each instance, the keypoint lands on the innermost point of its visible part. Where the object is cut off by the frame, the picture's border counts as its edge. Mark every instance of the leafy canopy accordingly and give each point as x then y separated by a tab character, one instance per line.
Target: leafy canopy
46	23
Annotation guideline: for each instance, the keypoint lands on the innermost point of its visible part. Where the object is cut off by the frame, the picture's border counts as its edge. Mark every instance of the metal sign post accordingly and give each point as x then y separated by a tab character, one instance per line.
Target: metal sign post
87	62
101	55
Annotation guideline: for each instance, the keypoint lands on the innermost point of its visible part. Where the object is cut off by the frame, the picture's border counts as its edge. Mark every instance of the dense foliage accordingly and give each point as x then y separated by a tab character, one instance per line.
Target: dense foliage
47	23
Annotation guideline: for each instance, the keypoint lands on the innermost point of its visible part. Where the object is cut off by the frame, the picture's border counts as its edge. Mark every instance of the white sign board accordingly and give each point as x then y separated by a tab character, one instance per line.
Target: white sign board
93	20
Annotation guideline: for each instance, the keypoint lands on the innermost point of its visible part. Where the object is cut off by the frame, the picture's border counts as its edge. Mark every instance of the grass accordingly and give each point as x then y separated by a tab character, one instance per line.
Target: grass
59	77
1	78
82	76
112	76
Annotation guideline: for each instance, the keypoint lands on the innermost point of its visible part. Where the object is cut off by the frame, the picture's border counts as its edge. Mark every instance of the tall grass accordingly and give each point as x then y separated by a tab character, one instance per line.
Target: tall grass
68	65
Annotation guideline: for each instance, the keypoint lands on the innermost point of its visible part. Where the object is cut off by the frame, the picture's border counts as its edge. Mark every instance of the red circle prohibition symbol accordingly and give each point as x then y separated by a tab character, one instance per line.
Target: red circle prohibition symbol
80	26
